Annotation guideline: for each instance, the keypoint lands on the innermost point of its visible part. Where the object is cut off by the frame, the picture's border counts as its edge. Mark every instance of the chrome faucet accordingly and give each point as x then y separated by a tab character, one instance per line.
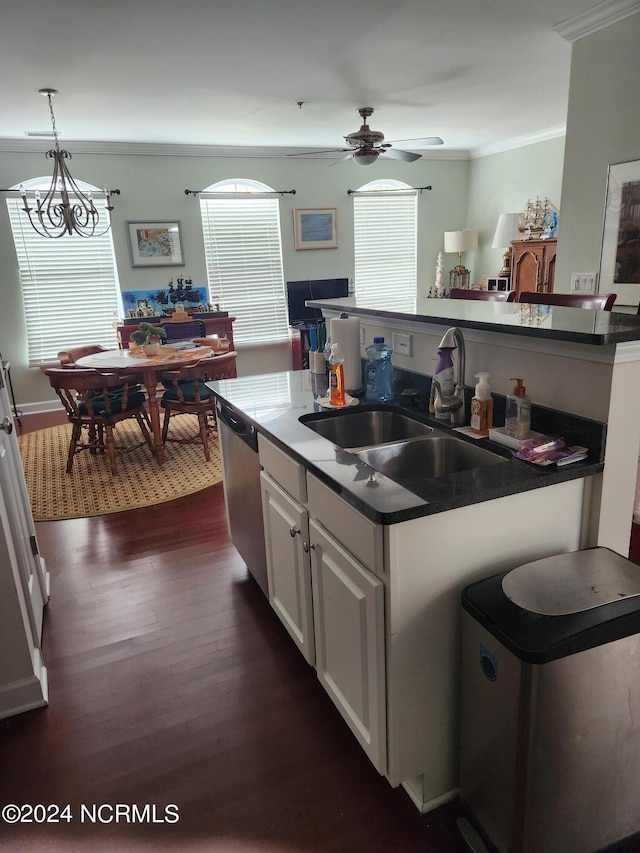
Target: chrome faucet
454	404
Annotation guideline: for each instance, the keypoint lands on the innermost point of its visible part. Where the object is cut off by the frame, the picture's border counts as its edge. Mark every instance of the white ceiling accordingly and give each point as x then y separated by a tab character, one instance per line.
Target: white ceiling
230	72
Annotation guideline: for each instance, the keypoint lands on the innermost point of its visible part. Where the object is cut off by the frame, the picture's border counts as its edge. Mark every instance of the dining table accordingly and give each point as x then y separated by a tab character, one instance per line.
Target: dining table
148	369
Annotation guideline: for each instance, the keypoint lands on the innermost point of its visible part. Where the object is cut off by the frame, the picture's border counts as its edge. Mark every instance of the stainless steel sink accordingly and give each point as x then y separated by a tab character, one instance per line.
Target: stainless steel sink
427	458
363	428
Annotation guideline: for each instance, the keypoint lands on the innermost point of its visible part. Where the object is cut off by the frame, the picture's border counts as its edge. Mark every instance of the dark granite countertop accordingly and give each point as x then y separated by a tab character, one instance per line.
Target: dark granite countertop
273	403
541	321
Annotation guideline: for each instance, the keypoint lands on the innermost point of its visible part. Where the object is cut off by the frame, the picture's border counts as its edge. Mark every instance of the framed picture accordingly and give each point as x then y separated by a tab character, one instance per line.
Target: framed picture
155	243
315	227
620	258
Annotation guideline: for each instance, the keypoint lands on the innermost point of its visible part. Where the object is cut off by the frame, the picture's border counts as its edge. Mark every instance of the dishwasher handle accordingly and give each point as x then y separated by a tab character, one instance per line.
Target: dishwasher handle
237	425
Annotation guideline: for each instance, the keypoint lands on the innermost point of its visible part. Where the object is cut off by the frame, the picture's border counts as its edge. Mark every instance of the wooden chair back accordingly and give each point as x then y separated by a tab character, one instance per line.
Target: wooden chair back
186	384
486	295
184	331
69	357
187	394
595	301
96	402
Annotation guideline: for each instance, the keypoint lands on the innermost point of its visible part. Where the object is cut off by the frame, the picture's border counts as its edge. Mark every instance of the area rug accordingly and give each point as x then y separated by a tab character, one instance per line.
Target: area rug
90	489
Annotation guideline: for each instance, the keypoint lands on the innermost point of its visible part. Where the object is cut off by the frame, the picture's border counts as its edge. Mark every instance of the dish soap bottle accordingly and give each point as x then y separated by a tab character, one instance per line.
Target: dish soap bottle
336	377
482	406
379	372
517	420
443	375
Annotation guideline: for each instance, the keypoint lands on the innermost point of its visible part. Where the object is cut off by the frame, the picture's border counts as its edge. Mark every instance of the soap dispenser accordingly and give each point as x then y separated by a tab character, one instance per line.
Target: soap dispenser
444	375
482	406
517	423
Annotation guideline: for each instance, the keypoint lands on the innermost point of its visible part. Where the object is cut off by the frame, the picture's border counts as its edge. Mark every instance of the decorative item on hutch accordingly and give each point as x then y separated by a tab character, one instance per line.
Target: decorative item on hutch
539	219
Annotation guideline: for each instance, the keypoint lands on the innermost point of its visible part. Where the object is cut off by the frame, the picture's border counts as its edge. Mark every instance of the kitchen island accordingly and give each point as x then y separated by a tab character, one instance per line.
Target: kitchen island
367	578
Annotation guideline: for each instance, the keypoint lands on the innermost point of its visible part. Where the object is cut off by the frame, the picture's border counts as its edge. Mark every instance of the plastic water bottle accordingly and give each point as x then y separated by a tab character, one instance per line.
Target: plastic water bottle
379	372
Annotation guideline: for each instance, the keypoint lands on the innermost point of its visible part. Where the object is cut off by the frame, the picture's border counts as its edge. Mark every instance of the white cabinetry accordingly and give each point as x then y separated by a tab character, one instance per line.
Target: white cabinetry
348	609
384	603
325	595
286	530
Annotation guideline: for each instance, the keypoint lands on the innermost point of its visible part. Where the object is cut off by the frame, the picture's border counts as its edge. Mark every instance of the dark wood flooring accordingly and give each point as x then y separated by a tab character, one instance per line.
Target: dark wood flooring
171	681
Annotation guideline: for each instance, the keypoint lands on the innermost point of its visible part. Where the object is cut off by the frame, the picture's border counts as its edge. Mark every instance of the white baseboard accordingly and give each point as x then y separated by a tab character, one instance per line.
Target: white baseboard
25	694
39	408
413	787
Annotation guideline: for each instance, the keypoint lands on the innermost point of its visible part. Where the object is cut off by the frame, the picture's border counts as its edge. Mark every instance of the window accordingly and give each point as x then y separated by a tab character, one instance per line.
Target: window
385	217
70	287
243	252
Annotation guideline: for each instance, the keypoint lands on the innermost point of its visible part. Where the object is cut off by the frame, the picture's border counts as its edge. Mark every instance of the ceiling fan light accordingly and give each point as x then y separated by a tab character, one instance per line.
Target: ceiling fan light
365	157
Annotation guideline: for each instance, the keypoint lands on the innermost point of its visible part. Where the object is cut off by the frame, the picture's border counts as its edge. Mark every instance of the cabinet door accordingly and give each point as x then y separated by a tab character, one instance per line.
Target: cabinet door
348	606
527	268
549	266
286	528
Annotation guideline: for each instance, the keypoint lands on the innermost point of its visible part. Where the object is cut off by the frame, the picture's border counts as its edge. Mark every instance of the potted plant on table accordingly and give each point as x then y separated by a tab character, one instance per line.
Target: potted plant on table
148	337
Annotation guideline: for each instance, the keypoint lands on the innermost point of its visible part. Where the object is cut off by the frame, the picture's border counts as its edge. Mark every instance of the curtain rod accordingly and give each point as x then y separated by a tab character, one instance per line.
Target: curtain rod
248	195
404	190
95	193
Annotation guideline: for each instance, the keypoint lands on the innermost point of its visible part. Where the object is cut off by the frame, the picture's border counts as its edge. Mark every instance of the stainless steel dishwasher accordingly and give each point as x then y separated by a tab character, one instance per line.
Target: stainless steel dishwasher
241	467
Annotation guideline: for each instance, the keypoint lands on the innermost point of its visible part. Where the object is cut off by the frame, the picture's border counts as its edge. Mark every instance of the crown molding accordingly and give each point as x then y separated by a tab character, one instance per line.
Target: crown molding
596	19
169	149
517	142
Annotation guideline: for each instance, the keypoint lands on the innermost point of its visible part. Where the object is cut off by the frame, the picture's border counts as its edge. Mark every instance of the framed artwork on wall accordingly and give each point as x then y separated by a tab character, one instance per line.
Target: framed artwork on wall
315	227
155	243
620	257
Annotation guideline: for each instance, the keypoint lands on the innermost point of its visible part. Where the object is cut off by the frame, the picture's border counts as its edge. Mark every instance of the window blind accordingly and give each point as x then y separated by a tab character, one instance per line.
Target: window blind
243	252
69	285
385	237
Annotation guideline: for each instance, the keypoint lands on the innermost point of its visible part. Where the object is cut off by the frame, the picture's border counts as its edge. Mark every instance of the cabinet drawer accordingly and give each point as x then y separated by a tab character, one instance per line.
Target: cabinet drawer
285	471
358	534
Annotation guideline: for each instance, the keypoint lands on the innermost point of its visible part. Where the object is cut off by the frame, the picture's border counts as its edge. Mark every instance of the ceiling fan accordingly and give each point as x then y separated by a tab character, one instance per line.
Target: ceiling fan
366	145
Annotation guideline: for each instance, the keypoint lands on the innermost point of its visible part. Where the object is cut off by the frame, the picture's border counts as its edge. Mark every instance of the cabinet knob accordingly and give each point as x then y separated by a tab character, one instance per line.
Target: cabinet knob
307	546
7	425
293	531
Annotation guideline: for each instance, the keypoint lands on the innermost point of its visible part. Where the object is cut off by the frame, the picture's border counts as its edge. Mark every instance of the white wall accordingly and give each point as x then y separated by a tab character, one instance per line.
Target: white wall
603	128
503	183
153	188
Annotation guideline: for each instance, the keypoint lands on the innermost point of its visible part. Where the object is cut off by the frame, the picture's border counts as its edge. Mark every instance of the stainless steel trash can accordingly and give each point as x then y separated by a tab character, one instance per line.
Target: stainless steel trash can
550	728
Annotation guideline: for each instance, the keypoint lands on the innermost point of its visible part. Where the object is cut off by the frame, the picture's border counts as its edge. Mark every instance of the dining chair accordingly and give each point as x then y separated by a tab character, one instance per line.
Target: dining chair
487	295
187	393
96	402
69	357
596	301
184	331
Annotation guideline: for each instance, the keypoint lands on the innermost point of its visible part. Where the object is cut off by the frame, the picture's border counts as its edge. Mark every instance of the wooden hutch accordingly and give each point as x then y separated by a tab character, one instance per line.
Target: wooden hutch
221	326
533	266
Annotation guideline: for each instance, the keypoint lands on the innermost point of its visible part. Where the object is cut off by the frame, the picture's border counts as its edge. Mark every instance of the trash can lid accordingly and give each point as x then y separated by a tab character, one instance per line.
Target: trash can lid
572	583
559	605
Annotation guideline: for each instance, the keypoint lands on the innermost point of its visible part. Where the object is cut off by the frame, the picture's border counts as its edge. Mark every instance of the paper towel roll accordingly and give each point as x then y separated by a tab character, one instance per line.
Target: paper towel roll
346	333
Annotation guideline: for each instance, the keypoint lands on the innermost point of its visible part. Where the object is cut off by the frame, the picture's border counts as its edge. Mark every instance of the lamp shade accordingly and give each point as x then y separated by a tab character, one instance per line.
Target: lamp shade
506	230
461	241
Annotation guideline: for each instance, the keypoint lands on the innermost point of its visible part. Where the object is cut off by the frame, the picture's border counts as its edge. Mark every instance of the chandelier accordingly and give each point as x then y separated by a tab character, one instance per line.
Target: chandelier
64	208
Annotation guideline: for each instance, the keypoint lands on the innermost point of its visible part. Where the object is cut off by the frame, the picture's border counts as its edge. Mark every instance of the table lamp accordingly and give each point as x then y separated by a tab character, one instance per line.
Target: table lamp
460	241
506	231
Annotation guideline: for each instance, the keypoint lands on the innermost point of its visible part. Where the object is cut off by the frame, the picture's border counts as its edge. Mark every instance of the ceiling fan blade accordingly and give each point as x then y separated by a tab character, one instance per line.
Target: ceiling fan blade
313	151
342	159
397	154
422	142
